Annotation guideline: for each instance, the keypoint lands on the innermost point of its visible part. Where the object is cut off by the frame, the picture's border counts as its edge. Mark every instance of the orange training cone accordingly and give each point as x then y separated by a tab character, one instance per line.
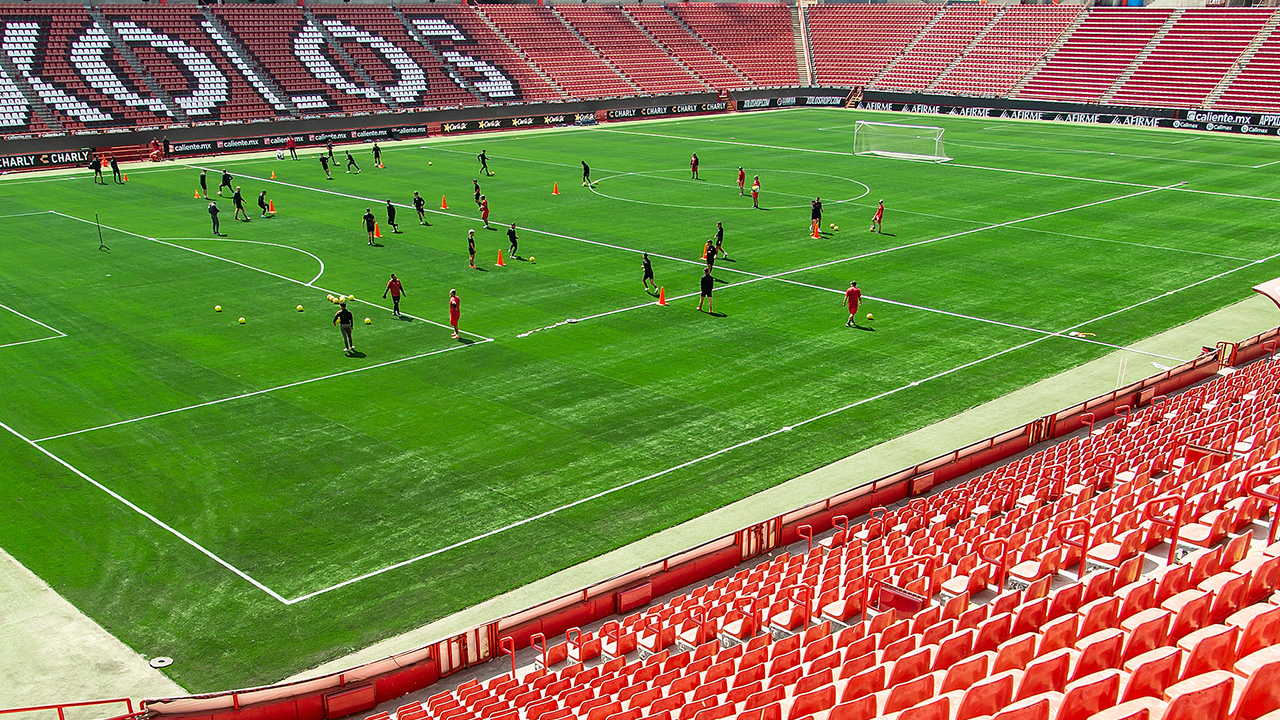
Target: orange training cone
500	263
271	206
443	205
376	232
662	295
555	188
816	234
273	174
197	195
704	252
124	177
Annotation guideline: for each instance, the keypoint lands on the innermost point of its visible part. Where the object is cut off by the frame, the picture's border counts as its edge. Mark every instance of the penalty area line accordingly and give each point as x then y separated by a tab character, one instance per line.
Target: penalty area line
155	520
267	272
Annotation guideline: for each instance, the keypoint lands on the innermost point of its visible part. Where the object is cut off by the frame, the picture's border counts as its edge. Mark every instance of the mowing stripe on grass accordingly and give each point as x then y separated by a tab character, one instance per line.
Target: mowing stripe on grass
263	391
157	521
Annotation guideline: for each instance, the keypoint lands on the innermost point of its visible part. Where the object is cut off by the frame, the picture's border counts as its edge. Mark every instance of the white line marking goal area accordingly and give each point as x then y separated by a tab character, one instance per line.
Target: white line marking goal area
55	333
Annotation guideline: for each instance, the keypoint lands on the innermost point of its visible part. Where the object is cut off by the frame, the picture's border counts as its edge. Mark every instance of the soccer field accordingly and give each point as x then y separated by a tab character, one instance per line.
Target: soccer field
251	501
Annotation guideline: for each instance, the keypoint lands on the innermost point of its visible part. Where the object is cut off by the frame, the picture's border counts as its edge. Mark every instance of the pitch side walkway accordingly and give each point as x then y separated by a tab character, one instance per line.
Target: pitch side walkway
1235	322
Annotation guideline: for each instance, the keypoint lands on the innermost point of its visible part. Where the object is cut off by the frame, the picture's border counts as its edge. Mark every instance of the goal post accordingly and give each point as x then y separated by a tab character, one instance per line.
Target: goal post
894	140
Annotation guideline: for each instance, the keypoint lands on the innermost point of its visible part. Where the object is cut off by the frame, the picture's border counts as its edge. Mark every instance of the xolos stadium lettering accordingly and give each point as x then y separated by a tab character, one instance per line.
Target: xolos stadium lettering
91	52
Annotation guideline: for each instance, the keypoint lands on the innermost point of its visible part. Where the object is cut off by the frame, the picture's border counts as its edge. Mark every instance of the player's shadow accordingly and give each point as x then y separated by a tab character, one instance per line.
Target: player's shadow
482	269
888	235
493	229
403	318
356	354
856	326
717	314
377	245
466	341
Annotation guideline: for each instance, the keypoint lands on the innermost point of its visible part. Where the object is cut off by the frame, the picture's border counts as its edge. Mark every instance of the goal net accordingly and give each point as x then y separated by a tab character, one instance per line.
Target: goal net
905	142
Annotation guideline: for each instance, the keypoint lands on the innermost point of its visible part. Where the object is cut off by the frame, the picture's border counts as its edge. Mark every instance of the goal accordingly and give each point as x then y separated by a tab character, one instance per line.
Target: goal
905	142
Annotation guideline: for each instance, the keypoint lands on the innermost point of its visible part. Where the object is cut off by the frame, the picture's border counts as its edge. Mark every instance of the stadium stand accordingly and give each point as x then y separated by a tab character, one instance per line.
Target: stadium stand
678	40
1030	592
1251	84
853	43
462	33
267	33
754	38
1011	47
434	88
938	47
73	68
1097	54
70	80
182	24
1192	58
556	51
625	44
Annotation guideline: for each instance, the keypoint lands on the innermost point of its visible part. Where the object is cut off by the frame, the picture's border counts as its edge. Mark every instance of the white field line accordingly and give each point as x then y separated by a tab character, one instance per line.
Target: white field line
1016	147
265	272
632	483
56	332
1138	244
253	242
158	522
745	443
885	300
1115	182
24	214
263	391
1273	162
613	174
951	164
854	202
50	328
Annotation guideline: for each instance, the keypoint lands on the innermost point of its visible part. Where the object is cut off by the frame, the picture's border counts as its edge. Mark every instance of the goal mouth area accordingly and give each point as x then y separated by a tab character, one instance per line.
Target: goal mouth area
905	156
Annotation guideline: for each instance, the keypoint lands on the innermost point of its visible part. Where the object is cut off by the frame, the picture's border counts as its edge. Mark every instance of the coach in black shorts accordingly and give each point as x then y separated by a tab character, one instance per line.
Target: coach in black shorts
708	284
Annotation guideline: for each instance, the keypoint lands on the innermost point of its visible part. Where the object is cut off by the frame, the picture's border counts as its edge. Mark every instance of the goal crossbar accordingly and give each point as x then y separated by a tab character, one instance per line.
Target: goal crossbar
900	141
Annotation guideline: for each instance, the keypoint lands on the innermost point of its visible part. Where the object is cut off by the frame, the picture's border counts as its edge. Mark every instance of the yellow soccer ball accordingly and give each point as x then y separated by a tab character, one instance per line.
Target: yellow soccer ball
833	226
870	316
428	162
299	308
241	321
532	259
351	297
367	321
217	308
837	228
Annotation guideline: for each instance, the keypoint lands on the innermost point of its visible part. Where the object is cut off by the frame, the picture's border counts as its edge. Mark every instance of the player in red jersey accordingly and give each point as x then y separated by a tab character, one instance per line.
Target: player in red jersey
755	191
851	298
455	312
742	181
484	211
875	221
693	165
396	289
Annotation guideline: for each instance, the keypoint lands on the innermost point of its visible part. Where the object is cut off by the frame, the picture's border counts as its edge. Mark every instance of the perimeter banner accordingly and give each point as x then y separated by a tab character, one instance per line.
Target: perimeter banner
1214	121
28	161
271	142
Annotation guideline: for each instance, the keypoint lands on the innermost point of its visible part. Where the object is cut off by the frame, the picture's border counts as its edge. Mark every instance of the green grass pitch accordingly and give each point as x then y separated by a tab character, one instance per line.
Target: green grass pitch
247	499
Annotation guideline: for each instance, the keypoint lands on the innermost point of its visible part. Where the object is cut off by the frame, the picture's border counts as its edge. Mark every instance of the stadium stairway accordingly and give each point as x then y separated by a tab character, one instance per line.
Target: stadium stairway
1126	573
